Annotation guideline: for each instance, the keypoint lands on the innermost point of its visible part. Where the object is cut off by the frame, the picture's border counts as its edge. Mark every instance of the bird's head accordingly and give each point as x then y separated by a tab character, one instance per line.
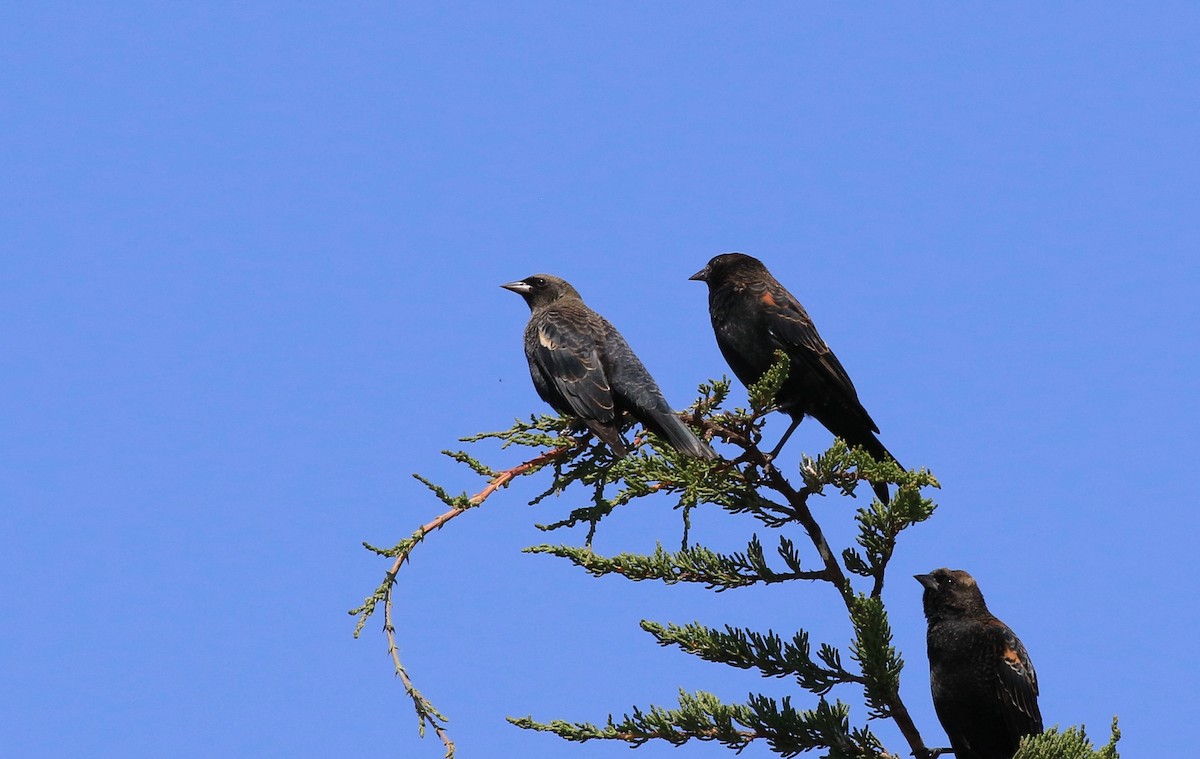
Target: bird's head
540	290
950	592
727	266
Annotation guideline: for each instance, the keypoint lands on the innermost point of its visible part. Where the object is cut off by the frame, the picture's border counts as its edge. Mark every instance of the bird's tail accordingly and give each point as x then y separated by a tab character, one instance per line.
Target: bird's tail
679	435
611	437
869	443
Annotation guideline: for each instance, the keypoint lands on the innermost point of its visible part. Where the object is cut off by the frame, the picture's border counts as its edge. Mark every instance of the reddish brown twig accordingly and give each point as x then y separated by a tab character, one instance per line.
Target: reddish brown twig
497	482
426	711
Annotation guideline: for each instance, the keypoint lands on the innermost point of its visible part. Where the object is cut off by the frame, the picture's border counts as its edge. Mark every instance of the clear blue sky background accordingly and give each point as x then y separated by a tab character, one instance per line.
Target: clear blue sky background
248	284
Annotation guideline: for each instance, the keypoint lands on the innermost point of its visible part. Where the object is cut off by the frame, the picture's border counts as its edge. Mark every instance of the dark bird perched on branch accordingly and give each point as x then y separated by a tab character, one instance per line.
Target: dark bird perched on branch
583	368
753	316
984	687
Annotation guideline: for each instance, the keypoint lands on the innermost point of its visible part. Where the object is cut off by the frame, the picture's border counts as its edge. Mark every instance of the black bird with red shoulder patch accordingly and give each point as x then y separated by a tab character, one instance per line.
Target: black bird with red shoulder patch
984	687
584	369
753	316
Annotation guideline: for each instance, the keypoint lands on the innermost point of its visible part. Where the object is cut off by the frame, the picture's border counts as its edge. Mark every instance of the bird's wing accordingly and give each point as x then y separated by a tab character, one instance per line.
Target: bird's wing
1016	681
565	353
636	392
628	375
790	325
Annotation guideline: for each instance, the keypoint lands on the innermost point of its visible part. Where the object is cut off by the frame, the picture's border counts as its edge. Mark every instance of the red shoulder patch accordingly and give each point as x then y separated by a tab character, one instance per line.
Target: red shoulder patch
1013	658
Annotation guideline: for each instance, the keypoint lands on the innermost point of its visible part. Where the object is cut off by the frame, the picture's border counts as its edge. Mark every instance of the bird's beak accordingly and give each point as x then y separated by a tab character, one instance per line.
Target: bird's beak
700	276
929	581
520	287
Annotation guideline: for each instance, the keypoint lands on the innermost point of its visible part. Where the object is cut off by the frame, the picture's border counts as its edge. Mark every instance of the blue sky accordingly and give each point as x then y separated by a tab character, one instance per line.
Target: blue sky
249	284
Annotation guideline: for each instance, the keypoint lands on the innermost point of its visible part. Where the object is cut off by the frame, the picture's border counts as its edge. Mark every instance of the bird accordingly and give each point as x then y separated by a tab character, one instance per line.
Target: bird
583	368
984	687
754	316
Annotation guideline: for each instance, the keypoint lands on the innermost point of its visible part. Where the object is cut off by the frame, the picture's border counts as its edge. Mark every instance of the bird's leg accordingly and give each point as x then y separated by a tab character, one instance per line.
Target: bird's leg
779	446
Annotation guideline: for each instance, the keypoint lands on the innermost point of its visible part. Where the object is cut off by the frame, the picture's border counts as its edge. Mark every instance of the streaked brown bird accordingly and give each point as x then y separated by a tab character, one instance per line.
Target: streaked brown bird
753	316
584	369
984	687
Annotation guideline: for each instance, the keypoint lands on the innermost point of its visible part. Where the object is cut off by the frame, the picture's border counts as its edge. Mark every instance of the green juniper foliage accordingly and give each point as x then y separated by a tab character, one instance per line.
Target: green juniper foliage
1071	744
865	669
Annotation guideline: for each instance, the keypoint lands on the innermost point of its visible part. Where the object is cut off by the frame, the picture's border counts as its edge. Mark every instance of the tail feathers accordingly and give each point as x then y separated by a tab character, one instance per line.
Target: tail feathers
611	437
873	446
667	426
679	435
881	492
869	443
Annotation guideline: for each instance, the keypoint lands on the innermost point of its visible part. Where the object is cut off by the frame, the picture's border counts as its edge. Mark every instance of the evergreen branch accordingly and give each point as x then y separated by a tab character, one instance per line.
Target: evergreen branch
880	524
595	471
743	427
700	716
543	431
733	489
427	713
881	666
584	469
652	466
841	468
458	505
826	469
481	469
694	564
768	653
789	732
737	486
712	394
762	393
798	501
763	509
872	649
1072	743
844	468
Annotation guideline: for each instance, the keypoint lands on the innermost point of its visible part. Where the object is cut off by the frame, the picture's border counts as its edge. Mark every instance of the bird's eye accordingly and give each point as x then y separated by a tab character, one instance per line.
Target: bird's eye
539	282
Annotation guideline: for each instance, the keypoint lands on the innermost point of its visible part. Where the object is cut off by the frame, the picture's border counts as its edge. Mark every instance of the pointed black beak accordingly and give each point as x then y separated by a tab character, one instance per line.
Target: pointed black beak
520	287
929	581
700	276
